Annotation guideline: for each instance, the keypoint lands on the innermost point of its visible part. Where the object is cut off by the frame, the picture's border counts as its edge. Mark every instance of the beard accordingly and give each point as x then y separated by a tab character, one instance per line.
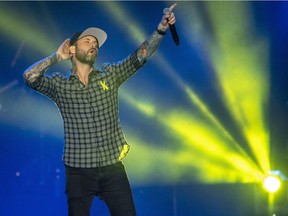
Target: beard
86	57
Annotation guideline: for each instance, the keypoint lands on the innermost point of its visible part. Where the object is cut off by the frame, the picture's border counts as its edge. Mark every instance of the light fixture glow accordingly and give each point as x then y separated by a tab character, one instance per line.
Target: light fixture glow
272	183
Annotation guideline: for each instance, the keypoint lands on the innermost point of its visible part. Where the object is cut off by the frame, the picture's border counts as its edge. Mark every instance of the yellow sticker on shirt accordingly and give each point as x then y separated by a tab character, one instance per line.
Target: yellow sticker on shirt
104	85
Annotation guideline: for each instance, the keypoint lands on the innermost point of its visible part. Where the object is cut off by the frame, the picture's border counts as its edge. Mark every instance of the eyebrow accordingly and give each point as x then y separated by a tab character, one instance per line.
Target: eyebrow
90	38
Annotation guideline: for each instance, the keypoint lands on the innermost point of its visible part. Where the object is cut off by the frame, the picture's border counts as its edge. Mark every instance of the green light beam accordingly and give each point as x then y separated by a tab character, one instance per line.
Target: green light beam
240	62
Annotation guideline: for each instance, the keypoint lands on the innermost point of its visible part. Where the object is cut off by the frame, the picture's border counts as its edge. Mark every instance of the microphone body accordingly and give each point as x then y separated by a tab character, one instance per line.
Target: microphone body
174	34
172	28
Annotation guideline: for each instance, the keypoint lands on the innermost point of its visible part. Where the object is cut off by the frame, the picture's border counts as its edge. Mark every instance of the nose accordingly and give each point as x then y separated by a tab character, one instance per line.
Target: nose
95	45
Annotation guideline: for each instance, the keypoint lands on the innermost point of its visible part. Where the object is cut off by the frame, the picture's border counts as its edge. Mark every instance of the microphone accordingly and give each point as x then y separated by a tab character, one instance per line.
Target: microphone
172	28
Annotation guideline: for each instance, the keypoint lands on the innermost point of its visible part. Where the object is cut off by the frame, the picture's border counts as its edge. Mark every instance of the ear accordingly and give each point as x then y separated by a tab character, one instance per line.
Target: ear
72	49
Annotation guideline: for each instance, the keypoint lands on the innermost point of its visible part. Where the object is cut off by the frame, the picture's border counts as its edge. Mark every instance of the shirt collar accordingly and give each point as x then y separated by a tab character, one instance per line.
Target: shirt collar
70	75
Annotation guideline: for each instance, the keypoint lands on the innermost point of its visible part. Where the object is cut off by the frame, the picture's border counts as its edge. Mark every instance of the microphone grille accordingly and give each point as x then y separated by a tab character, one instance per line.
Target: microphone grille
167	10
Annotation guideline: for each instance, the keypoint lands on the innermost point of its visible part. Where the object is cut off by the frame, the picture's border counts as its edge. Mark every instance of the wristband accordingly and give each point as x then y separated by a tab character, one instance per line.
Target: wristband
160	32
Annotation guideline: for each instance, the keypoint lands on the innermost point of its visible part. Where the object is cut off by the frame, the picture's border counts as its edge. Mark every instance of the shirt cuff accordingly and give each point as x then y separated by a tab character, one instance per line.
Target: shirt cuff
35	83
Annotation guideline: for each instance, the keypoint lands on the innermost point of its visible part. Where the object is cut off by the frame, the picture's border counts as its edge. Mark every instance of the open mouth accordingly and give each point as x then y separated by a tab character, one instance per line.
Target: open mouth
92	51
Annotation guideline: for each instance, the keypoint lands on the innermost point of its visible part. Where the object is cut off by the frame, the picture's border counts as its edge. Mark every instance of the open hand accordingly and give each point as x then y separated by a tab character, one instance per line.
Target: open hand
63	51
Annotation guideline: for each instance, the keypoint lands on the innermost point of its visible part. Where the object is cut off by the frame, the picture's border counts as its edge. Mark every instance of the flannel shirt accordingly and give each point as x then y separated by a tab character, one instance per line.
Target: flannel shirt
93	134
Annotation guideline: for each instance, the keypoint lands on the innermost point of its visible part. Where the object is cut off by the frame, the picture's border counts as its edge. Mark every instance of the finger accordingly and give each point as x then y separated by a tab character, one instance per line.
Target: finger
173	6
67	42
171	16
167	16
172	21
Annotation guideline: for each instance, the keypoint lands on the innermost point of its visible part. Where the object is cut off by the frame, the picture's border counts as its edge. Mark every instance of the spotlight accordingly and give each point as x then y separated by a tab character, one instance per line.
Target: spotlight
272	182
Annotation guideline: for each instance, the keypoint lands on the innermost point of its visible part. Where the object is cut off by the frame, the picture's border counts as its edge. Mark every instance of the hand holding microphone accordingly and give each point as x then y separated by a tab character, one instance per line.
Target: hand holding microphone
169	19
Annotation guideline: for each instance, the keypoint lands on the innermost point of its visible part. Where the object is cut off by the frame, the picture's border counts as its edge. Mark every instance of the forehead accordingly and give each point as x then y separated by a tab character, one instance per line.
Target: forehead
88	38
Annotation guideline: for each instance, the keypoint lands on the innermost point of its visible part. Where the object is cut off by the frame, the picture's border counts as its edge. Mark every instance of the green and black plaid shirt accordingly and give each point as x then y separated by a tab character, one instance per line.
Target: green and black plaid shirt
93	135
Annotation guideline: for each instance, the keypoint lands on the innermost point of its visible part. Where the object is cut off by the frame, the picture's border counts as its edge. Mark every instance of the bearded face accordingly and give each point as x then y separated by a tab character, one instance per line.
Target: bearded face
86	57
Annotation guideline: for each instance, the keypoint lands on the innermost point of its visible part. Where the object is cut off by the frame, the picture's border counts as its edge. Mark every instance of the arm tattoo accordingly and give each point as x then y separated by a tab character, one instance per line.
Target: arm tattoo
150	45
38	69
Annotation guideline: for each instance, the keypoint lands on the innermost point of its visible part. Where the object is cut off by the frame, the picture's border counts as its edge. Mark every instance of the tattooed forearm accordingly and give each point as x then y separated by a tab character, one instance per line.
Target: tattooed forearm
36	70
149	46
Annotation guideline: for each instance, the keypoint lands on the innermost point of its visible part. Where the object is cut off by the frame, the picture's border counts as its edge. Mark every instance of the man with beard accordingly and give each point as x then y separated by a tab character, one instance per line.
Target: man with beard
88	101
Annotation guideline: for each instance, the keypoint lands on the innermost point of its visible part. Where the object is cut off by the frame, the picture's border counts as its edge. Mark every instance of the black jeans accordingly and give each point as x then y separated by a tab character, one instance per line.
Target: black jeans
109	183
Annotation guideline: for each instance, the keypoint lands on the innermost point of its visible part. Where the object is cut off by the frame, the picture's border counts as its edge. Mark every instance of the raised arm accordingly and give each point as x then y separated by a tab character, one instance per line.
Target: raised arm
38	69
149	46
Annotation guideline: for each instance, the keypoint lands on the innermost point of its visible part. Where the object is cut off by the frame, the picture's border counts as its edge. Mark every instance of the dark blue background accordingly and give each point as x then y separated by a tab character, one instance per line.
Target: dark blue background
32	178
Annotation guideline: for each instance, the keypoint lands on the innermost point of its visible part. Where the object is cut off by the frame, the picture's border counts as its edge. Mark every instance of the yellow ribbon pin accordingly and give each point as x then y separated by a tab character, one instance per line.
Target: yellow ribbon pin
104	86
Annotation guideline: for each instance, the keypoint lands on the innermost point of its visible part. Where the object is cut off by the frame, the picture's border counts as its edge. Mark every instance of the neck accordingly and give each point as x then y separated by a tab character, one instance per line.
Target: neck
82	71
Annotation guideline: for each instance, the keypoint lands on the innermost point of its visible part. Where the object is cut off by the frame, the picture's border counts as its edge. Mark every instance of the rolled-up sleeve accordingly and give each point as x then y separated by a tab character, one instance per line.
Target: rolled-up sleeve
43	85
